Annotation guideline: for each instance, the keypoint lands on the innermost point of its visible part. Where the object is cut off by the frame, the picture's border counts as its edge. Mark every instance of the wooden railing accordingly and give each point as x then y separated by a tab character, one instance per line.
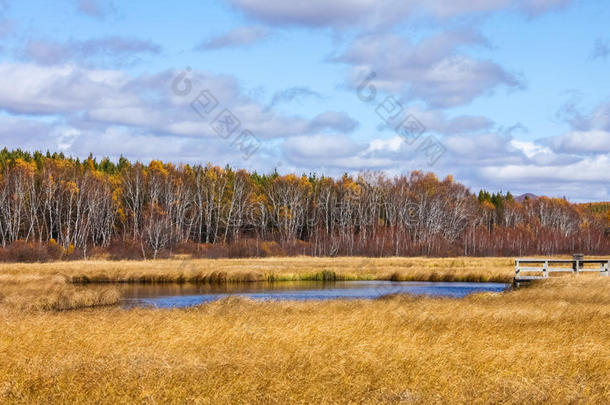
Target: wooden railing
543	267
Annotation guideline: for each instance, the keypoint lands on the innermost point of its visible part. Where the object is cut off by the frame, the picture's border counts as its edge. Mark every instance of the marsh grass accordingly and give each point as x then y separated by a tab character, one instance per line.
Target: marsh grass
61	285
32	292
548	343
272	269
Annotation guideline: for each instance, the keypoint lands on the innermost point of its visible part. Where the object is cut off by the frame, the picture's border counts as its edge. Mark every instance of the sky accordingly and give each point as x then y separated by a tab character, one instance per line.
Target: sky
505	95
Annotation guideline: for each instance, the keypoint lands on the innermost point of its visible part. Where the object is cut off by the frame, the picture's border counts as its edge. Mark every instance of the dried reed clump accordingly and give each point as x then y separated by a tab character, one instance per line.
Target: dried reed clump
51	293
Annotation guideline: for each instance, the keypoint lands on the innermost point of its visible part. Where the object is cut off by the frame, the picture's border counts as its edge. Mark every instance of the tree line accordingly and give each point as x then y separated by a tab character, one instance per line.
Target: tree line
75	208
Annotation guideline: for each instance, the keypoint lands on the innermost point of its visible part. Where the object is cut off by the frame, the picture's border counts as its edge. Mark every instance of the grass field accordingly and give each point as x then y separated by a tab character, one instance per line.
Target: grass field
269	269
548	343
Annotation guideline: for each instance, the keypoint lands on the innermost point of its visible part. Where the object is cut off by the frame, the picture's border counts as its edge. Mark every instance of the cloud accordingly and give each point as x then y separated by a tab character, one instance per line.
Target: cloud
447	9
490	160
111	113
486	147
480	154
32	89
16	132
598	118
94	100
532	150
430	70
601	49
291	94
108	112
579	142
588	170
115	49
95	8
467	124
463	153
320	148
238	37
437	121
376	13
333	121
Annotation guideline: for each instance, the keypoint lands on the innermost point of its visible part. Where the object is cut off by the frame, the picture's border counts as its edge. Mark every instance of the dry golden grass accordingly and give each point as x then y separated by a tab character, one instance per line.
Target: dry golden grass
549	343
32	292
263	269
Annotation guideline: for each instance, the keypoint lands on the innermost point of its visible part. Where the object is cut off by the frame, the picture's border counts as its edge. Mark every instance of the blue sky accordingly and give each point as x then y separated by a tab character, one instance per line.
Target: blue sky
515	92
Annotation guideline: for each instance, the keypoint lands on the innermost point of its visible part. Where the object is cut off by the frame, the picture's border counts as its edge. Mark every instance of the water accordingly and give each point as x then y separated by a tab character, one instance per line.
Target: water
185	295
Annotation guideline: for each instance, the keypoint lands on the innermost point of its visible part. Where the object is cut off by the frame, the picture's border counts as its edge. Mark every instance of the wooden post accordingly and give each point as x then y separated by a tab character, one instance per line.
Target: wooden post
577	257
545	269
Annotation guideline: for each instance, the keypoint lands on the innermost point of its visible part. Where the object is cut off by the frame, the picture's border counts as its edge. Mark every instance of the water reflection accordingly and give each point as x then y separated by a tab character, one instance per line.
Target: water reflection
184	295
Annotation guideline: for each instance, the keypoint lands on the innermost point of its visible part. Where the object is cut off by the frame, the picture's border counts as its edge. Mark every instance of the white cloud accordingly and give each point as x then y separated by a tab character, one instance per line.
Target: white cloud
488	160
314	148
530	149
594	170
108	112
31	89
594	141
430	70
111	97
438	121
392	144
333	120
374	13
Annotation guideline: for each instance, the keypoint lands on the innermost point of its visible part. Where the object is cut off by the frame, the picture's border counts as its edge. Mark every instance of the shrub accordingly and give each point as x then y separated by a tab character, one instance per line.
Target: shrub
215	251
269	249
22	251
244	248
121	250
55	250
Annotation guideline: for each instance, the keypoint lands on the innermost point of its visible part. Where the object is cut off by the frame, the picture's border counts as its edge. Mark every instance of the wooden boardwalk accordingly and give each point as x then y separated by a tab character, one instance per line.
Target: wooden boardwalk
539	269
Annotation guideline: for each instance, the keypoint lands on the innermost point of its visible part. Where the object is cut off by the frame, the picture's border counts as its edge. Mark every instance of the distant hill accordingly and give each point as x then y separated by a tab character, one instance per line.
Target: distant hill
522	197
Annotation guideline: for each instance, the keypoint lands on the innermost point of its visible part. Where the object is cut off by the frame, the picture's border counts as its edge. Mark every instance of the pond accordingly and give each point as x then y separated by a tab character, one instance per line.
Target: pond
185	295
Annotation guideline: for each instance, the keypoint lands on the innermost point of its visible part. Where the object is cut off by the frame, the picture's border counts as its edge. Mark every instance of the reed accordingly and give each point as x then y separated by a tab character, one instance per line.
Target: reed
28	292
544	344
272	269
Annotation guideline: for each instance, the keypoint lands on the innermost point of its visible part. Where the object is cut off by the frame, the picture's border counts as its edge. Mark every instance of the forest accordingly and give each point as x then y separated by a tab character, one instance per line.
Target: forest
56	207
